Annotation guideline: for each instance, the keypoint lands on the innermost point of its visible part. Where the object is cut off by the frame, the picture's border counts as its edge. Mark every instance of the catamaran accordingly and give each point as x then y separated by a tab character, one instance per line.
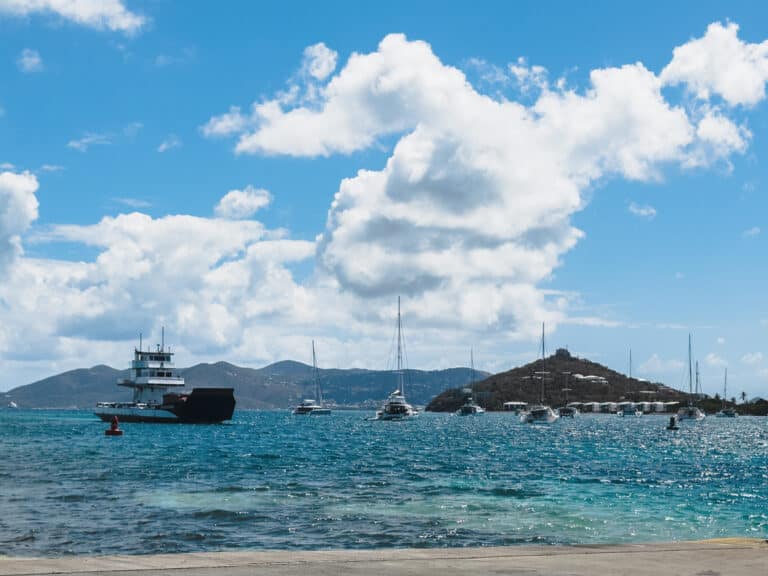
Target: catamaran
691	412
396	407
541	413
313	406
724	411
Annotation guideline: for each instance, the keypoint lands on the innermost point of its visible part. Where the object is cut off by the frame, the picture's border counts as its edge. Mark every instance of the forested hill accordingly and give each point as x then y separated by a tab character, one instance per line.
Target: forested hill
585	380
279	385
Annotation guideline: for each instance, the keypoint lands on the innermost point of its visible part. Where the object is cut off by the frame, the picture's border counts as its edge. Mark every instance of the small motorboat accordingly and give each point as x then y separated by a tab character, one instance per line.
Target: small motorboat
540	415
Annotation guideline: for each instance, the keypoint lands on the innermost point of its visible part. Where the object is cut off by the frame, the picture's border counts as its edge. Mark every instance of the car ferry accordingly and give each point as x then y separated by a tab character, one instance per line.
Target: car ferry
159	396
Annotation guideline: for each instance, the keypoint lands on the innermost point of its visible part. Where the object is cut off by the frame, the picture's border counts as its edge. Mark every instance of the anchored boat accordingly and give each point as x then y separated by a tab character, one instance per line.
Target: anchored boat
541	413
313	406
396	407
691	412
159	396
470	406
725	411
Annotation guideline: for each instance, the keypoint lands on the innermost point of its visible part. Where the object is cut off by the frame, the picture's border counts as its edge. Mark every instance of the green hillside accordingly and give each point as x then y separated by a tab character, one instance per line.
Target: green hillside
563	371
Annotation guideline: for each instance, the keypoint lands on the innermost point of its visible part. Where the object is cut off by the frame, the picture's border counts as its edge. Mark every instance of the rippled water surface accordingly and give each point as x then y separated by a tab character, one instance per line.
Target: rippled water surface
273	480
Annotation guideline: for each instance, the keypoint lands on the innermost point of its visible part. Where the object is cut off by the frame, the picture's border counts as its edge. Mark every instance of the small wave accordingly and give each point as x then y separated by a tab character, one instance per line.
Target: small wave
219	514
521	493
234	489
70	498
28	537
266	456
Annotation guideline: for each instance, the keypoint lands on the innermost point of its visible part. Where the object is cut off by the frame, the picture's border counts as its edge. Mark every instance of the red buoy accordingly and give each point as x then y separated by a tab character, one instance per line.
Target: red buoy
114	430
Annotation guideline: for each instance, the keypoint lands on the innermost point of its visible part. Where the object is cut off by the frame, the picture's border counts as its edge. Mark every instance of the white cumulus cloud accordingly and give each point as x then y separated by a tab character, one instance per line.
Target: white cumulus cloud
477	194
713	359
752	358
99	14
319	61
29	61
720	63
751	232
646	211
239	204
172	141
208	278
91	139
18	209
657	365
226	124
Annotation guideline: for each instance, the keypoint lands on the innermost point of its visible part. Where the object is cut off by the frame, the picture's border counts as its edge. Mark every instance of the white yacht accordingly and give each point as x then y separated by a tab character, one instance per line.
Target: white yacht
541	413
628	409
313	406
12	404
726	412
515	407
396	407
568	412
470	407
691	412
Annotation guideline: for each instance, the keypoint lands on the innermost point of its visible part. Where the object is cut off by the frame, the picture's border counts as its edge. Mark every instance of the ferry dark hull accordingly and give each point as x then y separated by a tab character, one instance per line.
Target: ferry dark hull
201	406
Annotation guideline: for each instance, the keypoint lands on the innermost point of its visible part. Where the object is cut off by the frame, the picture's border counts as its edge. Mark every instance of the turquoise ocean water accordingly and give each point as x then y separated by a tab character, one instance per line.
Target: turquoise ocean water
270	480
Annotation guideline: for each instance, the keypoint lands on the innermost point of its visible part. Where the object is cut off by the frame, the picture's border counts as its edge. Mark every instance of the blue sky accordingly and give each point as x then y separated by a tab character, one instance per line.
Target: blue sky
261	174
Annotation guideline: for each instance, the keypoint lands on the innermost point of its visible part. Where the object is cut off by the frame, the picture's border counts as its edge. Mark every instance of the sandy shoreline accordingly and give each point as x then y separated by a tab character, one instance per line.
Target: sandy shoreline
730	556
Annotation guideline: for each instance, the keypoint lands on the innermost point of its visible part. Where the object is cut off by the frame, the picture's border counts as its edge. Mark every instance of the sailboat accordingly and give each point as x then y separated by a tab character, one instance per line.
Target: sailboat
470	407
313	406
396	407
628	408
569	410
541	413
724	411
691	412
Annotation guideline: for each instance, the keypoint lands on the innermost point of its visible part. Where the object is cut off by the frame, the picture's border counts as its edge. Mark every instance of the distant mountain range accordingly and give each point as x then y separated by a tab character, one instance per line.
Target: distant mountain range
566	377
279	385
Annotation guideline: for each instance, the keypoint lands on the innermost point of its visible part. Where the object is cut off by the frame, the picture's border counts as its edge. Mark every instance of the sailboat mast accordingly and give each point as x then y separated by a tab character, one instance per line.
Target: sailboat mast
690	370
543	363
471	367
399	350
630	362
697	377
318	393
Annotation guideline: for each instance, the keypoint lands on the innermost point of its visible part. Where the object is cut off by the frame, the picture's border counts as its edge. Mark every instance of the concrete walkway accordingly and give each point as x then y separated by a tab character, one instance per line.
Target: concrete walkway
727	557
